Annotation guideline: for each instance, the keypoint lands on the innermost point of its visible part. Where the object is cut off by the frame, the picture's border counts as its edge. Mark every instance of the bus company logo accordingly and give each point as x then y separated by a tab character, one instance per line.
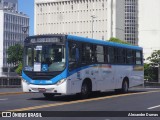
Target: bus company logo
6	114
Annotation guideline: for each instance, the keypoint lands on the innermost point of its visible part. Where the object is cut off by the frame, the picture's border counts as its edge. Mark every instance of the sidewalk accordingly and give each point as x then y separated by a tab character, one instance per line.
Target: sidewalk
2	90
7	91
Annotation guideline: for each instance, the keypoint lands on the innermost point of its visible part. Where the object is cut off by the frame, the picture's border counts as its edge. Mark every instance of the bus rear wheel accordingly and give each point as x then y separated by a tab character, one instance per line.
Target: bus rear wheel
85	90
125	87
48	95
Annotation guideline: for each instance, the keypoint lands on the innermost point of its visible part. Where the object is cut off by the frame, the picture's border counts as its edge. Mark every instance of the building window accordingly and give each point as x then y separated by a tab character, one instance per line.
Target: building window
72	7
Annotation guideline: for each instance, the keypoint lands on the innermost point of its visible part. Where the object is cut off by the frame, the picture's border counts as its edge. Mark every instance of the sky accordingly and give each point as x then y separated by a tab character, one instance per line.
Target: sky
27	7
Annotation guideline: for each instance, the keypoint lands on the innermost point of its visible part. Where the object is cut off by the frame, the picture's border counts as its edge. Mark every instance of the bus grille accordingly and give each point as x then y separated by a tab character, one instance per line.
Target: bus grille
41	75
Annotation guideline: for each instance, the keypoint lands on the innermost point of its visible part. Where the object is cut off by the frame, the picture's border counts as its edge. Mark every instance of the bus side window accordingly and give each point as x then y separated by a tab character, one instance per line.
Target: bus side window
87	54
130	58
138	58
73	55
121	56
99	51
110	55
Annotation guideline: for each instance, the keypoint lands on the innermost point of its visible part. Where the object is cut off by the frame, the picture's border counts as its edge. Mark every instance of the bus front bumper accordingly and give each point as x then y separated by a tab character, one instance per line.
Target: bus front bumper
56	88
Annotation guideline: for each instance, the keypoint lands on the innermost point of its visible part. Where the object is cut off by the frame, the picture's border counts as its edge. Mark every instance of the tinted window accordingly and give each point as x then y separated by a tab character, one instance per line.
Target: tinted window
110	55
120	55
74	55
130	59
138	58
99	53
87	54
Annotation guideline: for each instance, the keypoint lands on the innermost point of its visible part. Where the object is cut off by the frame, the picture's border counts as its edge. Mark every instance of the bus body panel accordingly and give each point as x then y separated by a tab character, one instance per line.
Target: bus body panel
103	79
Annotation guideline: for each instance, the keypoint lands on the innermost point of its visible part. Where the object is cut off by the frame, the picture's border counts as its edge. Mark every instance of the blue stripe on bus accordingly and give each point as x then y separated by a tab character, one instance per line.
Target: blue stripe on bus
98	66
89	40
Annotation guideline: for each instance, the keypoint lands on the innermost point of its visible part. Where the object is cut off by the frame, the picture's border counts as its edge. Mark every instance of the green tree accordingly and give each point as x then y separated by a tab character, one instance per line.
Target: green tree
155	58
112	39
15	54
149	72
19	69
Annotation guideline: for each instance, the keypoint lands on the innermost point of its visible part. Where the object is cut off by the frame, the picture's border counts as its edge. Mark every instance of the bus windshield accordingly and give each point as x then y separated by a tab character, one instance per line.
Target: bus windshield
44	58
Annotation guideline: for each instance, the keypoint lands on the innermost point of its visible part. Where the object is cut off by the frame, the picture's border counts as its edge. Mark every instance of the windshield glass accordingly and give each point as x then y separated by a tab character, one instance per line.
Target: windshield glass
44	58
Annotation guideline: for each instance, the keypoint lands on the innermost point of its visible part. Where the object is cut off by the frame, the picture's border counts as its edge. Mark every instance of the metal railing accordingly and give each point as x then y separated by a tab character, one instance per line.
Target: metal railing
10	82
152	84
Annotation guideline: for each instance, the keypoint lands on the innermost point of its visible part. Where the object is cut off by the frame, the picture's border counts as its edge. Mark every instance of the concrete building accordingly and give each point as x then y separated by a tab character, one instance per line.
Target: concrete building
101	19
11	5
11	33
149	26
131	21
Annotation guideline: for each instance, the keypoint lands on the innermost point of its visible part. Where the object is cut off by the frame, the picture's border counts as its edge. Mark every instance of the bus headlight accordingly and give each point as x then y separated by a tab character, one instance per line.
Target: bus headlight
25	81
61	81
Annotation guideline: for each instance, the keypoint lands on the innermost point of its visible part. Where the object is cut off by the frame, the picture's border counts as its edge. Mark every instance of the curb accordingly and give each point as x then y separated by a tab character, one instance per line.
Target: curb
12	93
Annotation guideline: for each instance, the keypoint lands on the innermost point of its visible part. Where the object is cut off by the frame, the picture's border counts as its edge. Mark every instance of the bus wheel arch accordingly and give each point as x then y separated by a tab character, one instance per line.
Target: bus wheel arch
86	88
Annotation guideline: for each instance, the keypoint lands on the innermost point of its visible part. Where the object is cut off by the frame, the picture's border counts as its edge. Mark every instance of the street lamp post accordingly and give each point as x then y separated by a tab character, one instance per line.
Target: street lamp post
92	16
25	29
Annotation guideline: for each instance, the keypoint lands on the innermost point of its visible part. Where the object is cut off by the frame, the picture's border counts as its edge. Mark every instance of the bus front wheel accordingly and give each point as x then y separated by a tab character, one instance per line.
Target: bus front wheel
48	95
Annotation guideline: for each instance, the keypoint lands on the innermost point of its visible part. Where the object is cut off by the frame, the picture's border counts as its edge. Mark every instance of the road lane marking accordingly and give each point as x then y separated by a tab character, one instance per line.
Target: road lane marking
12	93
4	99
146	88
78	101
150	108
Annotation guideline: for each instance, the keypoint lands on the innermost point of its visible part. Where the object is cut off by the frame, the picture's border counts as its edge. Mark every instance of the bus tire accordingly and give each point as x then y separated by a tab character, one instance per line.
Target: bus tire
125	86
48	95
85	90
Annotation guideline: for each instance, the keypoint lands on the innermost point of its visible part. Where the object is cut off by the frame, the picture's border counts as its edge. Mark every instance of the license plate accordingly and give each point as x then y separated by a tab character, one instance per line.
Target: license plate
41	89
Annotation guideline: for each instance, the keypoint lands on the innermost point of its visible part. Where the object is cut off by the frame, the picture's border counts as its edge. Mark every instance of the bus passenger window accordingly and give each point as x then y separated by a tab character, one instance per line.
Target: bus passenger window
138	58
130	59
73	55
100	54
110	55
87	54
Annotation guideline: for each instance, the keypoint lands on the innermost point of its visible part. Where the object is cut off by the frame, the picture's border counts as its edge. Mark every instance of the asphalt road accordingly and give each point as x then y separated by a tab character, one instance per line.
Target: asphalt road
138	99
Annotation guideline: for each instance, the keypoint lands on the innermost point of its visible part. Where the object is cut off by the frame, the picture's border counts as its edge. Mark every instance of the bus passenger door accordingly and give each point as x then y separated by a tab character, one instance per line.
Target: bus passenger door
74	62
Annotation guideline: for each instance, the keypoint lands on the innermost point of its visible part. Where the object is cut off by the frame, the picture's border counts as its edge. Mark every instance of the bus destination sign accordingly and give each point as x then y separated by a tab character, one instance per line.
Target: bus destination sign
44	40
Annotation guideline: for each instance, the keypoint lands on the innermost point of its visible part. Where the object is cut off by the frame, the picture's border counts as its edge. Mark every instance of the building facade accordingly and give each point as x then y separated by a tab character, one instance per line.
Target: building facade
11	5
100	19
149	26
131	21
11	33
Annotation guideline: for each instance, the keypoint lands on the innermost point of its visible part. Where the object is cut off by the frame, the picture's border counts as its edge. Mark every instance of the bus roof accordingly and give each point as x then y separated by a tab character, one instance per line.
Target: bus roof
90	40
101	42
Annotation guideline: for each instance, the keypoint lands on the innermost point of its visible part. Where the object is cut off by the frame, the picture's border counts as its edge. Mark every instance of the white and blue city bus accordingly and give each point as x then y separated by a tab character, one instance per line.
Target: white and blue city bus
67	64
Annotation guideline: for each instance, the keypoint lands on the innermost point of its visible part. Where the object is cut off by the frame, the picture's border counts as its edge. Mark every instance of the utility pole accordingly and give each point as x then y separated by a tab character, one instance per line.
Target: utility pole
92	16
